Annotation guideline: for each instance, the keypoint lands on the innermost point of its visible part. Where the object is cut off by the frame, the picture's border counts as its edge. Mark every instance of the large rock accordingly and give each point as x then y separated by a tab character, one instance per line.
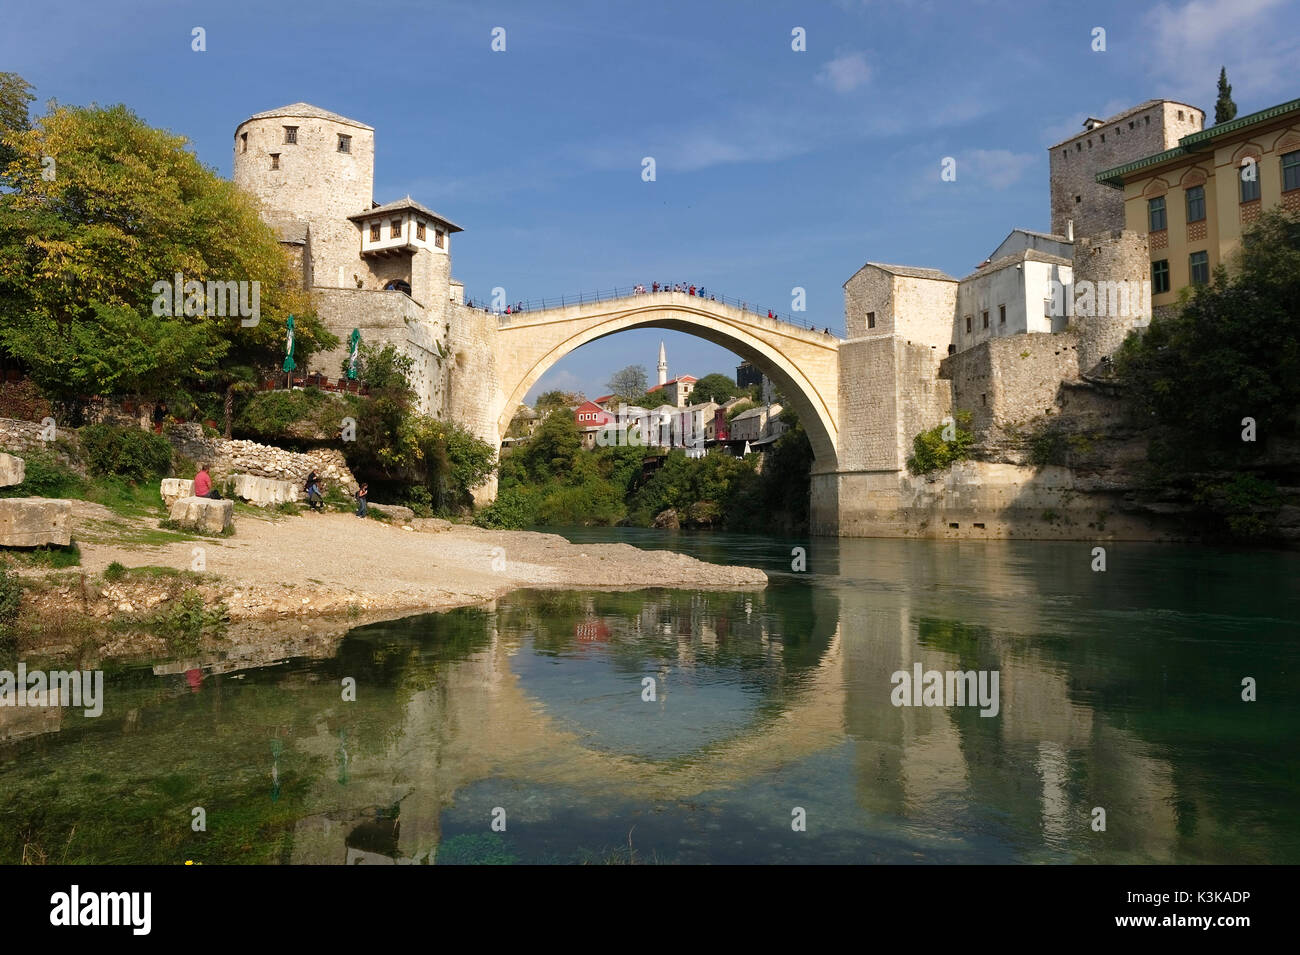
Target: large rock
204	514
394	512
667	519
173	489
12	470
264	491
33	521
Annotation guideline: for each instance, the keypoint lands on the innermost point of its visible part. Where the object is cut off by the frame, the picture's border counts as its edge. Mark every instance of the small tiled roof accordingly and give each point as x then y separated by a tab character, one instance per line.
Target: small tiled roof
750	413
402	205
307	111
911	271
672	381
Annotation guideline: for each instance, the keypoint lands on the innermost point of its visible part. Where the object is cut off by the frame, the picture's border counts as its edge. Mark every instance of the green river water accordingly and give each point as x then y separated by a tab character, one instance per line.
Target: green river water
523	732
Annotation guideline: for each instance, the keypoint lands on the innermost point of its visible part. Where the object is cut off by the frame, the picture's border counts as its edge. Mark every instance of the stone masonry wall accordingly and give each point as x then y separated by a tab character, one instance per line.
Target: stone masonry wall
1009	381
1118	256
225	458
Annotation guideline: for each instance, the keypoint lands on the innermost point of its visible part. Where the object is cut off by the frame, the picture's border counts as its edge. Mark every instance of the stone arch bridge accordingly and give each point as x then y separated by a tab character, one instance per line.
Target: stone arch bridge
860	401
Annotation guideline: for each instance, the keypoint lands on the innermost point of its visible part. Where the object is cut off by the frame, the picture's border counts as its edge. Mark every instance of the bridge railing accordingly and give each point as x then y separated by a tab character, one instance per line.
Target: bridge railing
630	291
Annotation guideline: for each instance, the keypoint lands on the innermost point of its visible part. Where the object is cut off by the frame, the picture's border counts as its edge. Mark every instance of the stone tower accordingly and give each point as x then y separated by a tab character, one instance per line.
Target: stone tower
663	365
1146	129
310	167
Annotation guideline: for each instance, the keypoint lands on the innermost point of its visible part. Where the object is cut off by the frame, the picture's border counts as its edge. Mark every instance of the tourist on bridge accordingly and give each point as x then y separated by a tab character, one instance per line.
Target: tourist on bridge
692	289
655	287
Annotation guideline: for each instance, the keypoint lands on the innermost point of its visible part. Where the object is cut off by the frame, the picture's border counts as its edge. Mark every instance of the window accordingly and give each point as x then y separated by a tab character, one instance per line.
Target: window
291	134
275	160
1160	276
1180	114
968	324
984	315
1291	170
374	231
419	230
395	229
243	142
1200	267
1002	314
871	319
1156	214
1196	204
1103	137
1078	199
1250	187
439	238
345	144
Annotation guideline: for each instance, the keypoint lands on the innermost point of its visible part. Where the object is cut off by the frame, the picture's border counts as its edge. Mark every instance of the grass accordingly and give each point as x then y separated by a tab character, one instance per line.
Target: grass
48	555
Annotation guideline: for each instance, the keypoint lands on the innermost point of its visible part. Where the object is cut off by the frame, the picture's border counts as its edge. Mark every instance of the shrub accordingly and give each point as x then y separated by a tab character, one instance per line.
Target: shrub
129	453
22	400
46	476
11	598
514	508
114	572
930	452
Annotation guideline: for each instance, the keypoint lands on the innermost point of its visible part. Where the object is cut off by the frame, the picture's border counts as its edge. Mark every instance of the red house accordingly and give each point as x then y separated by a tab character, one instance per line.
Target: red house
591	418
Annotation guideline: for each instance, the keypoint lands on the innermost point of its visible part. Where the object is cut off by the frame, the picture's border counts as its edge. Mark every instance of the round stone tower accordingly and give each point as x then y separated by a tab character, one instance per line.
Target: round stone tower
310	166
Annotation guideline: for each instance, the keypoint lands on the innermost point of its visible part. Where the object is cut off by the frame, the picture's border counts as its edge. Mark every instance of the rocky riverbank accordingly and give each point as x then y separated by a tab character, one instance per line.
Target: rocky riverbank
278	572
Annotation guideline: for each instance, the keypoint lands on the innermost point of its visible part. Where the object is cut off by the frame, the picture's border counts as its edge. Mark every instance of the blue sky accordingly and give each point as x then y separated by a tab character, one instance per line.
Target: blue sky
775	168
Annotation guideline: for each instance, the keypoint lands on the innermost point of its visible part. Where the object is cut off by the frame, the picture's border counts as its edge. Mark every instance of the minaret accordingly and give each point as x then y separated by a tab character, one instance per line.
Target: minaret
663	365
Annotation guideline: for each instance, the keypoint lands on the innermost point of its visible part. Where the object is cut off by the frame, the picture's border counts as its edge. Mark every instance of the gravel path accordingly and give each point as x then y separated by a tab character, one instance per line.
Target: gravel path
314	564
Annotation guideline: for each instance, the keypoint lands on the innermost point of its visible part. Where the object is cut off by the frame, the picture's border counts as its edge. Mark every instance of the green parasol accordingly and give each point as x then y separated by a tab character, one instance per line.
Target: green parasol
288	348
352	361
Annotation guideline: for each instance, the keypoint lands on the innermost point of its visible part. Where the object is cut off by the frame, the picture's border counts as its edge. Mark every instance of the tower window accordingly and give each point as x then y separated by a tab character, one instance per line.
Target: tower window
984	317
395	229
439	238
1002	314
275	160
374	231
1180	114
291	134
871	319
968	324
243	142
345	144
419	230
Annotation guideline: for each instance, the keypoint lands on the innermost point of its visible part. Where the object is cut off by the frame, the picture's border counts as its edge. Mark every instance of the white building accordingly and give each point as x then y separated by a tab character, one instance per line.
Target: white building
1010	295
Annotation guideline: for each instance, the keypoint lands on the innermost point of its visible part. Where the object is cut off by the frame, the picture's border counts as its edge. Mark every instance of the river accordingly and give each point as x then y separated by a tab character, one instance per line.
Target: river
671	726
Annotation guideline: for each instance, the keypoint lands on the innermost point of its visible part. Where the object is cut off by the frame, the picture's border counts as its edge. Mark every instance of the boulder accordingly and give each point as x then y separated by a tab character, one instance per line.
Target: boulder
33	521
667	519
12	470
174	488
204	514
395	512
264	491
431	525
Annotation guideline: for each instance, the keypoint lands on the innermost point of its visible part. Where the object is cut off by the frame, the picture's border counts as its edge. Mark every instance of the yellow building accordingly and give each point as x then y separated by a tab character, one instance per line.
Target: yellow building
1194	201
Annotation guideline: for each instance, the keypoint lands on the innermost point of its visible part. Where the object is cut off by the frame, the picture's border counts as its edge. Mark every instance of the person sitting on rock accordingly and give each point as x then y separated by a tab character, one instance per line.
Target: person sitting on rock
203	484
314	499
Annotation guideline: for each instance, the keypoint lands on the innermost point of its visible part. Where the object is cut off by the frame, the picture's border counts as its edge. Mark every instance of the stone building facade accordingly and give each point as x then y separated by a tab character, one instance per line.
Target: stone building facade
384	269
1145	129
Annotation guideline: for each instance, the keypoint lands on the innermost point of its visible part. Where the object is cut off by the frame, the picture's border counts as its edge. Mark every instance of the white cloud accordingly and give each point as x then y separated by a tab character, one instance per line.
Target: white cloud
846	72
1186	44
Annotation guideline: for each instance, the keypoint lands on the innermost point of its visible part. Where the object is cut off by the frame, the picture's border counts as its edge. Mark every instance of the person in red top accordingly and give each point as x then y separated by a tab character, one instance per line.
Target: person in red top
203	483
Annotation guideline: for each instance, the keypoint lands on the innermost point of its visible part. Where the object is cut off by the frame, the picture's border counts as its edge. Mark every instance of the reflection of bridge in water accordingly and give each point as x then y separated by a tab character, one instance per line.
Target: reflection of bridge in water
480	722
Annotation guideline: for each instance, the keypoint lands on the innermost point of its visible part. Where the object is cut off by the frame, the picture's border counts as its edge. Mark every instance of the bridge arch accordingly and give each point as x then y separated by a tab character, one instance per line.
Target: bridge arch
803	364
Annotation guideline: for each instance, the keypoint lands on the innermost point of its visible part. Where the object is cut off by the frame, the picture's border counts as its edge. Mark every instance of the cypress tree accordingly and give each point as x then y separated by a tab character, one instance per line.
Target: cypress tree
1224	108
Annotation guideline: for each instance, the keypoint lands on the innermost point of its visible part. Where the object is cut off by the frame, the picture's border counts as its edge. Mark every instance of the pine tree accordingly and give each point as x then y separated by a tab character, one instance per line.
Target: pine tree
1224	108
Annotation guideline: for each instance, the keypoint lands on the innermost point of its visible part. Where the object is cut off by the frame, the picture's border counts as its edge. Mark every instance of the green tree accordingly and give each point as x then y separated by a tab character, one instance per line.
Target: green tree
549	400
714	387
1224	108
15	95
82	251
1230	353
